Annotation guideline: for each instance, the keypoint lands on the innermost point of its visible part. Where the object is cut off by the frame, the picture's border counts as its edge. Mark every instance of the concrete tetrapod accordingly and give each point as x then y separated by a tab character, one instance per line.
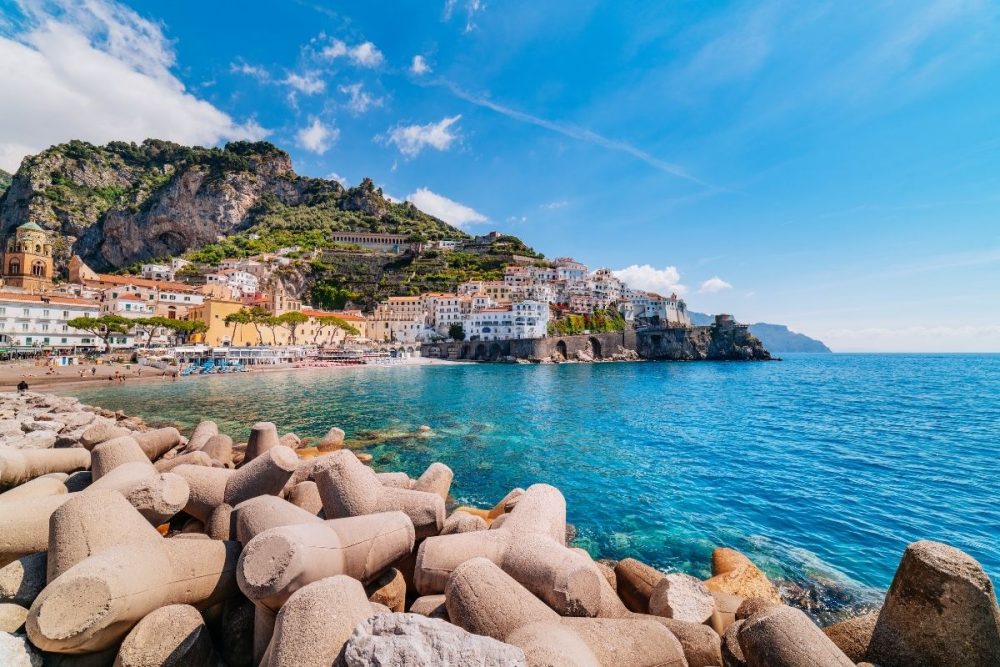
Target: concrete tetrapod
349	488
24	524
211	487
315	623
91	523
530	547
91	604
158	442
263	437
941	610
781	636
20	465
110	454
202	432
171	636
483	599
281	560
35	488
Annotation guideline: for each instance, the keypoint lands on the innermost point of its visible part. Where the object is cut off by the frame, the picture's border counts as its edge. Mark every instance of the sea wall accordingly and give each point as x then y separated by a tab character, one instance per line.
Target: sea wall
724	340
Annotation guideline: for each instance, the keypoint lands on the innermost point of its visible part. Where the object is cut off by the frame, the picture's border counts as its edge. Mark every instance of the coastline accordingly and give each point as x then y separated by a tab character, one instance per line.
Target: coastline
68	377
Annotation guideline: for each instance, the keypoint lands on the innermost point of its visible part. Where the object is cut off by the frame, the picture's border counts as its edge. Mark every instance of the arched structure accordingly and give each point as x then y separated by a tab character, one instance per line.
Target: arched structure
27	263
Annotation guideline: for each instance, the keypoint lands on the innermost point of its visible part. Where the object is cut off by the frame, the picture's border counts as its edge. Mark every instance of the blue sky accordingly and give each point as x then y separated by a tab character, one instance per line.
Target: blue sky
834	166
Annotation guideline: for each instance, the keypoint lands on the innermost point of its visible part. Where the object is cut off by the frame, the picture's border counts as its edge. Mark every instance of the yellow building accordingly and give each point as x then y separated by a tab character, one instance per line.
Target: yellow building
27	263
213	312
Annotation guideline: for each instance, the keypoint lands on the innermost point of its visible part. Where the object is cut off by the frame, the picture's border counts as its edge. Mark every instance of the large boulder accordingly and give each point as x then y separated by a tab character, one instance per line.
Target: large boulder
400	640
941	610
15	651
683	597
734	573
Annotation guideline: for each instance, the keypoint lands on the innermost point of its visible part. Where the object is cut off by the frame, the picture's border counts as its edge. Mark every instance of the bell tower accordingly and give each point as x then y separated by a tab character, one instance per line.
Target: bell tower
27	262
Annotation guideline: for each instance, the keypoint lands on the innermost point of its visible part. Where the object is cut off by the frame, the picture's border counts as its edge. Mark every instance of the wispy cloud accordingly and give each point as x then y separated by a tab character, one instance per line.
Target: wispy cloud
412	139
553	205
446	209
308	83
576	132
365	54
471	8
255	71
358	99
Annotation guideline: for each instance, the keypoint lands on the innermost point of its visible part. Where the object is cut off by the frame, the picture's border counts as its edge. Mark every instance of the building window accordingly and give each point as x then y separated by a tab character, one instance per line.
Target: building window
25	312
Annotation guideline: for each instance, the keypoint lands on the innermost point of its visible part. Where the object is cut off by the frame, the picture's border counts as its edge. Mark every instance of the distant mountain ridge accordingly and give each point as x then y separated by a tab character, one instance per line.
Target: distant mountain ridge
777	338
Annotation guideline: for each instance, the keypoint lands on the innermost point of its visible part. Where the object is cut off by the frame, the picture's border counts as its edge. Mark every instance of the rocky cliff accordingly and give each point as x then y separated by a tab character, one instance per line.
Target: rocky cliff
716	342
5	180
121	203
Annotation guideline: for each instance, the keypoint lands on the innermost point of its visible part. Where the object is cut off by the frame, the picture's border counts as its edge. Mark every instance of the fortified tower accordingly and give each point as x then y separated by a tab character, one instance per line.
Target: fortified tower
27	262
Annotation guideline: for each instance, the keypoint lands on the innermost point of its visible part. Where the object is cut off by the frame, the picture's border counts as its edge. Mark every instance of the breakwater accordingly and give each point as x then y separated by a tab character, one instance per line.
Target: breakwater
255	536
725	340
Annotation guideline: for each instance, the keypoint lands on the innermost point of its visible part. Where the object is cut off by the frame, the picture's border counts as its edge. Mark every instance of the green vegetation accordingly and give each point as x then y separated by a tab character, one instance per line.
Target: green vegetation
600	321
333	321
5	181
456	331
181	329
104	327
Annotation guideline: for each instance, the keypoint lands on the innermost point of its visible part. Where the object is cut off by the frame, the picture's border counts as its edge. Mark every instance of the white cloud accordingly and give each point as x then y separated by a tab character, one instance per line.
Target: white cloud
713	285
450	211
648	278
553	205
254	71
365	54
334	176
359	101
411	139
98	71
419	65
317	137
472	7
307	82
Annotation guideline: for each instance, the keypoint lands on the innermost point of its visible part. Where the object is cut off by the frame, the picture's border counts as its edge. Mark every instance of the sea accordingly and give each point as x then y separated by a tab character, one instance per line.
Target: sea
821	468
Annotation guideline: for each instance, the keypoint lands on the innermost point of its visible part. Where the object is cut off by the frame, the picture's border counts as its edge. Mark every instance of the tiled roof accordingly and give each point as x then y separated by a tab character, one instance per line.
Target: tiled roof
107	279
55	300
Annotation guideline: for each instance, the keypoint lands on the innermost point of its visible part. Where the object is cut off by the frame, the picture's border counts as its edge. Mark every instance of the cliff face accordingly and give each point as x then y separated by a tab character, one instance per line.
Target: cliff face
117	204
701	343
5	180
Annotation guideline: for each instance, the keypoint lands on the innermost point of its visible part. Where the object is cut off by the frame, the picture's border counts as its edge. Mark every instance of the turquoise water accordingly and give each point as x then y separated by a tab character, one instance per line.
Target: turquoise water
822	468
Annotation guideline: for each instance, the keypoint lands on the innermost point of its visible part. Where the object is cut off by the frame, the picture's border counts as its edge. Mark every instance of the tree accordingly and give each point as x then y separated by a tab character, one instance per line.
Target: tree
149	326
184	329
456	331
258	316
104	327
239	318
336	322
292	320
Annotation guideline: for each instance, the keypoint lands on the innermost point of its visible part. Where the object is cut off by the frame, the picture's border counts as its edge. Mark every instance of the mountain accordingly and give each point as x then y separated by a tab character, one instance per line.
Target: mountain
777	338
5	180
124	202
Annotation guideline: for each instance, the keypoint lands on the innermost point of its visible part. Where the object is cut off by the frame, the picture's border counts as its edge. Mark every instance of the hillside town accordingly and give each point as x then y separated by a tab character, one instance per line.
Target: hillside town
241	305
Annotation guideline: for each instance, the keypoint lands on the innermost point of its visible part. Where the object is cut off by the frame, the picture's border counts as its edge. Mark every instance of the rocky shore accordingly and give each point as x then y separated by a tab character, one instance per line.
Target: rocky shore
125	545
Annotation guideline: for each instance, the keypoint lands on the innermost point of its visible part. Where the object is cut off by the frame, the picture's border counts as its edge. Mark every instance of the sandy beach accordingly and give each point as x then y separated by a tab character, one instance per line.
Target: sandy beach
38	375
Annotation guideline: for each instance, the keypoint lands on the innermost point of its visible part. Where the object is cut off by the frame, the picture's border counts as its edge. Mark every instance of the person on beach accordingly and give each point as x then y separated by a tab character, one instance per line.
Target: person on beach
93	371
22	387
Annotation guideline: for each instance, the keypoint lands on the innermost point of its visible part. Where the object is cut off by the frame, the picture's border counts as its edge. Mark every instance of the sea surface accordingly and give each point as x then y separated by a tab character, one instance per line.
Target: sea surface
822	468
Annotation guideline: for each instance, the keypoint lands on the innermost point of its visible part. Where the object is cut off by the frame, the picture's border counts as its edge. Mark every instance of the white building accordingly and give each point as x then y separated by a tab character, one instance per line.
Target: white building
128	305
401	319
241	282
527	319
38	321
569	269
158	272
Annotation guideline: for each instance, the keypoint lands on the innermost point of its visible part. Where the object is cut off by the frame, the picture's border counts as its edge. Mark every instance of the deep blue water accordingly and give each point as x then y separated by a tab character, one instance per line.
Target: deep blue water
821	467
